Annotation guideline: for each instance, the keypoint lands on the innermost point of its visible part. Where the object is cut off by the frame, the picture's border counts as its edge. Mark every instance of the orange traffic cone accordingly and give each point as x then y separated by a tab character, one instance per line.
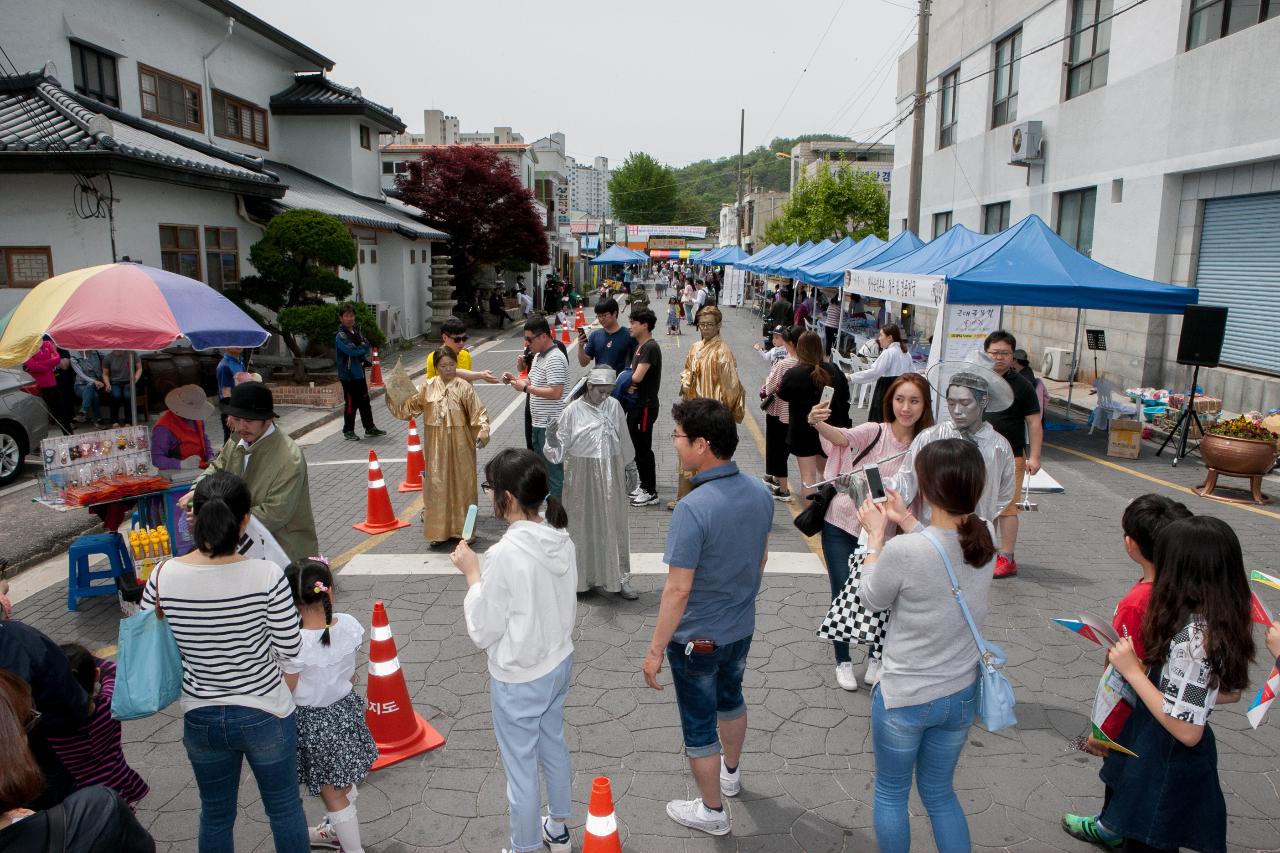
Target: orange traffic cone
416	463
564	335
380	517
601	832
375	372
579	319
397	729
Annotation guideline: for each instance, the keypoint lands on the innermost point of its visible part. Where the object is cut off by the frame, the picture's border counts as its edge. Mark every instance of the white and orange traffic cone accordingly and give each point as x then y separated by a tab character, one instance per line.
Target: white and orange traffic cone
601	832
397	729
579	319
416	463
375	372
564	334
380	517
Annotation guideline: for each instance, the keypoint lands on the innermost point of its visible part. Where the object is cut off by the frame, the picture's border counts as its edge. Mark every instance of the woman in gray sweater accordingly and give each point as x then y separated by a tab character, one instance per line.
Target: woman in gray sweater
923	706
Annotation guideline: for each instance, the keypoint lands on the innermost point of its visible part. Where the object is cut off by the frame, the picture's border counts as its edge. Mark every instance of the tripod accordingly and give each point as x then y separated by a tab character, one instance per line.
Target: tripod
1189	414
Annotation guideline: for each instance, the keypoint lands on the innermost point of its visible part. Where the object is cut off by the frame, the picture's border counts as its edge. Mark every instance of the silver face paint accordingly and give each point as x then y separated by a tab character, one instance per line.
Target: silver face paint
596	394
965	406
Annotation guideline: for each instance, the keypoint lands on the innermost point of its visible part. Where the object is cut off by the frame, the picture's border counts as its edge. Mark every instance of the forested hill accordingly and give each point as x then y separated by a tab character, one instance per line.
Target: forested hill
707	184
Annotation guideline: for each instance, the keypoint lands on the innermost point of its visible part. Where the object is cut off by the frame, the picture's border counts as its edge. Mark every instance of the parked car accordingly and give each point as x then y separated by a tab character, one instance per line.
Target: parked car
24	422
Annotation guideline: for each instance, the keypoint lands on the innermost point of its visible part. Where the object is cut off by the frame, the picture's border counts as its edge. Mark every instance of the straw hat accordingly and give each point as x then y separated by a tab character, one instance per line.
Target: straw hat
974	372
188	401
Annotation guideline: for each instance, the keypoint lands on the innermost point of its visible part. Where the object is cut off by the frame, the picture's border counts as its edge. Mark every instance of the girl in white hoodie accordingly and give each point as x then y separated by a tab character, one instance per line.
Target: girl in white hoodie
520	608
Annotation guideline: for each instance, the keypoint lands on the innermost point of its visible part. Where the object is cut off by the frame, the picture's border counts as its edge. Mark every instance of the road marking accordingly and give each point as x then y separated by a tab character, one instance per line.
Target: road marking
1149	478
21	484
794	507
438	563
365	461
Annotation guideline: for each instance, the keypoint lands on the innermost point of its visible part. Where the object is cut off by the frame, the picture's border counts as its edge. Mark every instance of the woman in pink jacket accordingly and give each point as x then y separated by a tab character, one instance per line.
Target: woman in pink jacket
41	367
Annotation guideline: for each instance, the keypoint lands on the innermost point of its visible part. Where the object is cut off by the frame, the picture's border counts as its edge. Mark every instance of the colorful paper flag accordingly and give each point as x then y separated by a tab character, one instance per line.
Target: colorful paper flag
1267	695
1258	611
1265	579
1078	627
1101	736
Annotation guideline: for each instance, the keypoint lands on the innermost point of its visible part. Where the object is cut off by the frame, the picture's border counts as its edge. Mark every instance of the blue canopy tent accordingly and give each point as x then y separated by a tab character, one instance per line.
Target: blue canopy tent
617	256
709	258
776	267
791	268
1027	264
731	255
763	254
757	265
946	247
829	271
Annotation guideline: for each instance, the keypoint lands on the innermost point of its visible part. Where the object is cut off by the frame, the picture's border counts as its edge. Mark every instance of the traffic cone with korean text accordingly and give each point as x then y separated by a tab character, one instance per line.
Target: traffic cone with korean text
397	729
601	832
375	372
380	517
415	462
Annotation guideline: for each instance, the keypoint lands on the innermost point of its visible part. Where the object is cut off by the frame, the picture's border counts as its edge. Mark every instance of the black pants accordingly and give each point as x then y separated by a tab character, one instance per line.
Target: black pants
501	317
640	422
355	395
832	331
57	405
528	424
775	447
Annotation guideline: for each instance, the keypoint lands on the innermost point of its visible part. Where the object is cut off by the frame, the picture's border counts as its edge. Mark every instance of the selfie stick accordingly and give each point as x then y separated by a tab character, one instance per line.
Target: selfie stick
839	477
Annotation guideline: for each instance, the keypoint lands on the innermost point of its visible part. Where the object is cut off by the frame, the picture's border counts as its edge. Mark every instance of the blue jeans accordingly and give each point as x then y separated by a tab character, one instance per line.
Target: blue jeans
555	473
89	400
217	739
528	721
837	546
924	741
708	690
119	403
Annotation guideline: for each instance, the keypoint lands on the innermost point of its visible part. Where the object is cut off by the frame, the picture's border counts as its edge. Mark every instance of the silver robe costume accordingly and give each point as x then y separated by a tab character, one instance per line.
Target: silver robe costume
1000	487
593	444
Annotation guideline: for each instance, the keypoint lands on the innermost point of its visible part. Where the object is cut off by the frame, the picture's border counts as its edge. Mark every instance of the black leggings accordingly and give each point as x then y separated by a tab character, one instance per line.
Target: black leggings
640	422
775	446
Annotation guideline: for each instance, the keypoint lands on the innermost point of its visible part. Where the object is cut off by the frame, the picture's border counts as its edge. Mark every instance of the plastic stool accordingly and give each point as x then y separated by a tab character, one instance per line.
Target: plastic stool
79	577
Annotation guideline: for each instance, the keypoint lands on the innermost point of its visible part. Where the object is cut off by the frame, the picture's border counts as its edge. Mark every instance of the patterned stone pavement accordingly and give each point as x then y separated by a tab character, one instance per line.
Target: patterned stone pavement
807	771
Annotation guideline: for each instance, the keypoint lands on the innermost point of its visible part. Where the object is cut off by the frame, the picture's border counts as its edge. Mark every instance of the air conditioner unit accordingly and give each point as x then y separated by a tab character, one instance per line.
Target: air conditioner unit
1026	143
1056	364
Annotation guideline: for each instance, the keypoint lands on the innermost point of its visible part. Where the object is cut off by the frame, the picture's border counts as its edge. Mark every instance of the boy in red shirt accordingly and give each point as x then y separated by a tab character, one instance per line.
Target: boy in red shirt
1143	519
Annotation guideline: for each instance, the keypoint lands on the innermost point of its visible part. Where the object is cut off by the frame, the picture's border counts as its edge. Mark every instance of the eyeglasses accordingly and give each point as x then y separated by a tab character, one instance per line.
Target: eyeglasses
485	487
457	339
675	434
1000	353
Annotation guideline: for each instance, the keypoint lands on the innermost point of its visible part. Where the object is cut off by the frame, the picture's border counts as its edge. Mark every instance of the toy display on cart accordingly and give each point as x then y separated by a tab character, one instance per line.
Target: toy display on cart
98	467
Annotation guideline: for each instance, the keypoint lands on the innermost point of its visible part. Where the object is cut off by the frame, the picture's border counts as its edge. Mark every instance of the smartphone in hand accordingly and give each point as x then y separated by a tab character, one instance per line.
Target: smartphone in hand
827	394
874	484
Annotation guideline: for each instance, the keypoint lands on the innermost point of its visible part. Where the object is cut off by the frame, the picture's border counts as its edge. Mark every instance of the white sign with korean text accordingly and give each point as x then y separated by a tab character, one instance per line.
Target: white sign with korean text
967	328
927	290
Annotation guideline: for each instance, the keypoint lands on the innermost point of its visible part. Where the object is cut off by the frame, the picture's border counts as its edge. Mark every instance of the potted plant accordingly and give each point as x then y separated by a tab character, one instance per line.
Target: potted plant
1239	446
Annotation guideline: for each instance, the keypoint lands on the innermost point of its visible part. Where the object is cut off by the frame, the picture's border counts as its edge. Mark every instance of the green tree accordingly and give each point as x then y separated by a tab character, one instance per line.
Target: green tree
836	203
643	191
296	260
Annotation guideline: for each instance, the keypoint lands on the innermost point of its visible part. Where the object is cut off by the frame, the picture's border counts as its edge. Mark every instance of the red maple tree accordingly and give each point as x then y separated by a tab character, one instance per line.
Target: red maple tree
474	195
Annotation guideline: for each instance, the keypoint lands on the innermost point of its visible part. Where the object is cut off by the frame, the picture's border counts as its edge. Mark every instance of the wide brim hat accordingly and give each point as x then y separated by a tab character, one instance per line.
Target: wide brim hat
974	372
188	401
250	400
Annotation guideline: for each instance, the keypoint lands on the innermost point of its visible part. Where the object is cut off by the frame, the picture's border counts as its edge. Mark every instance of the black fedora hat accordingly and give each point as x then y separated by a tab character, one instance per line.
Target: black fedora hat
251	401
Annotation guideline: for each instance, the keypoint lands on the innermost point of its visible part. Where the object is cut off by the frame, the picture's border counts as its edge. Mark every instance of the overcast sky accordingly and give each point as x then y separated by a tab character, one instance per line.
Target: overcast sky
667	77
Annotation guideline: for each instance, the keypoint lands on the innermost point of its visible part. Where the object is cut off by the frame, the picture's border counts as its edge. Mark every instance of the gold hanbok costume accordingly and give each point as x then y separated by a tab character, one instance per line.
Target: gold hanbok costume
710	370
451	422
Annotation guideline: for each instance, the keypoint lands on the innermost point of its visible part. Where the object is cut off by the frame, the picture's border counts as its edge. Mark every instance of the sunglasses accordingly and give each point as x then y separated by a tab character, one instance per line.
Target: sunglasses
457	339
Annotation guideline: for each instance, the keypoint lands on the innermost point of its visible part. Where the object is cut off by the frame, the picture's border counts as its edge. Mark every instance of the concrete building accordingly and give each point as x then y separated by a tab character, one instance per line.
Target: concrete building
1150	141
176	148
395	159
589	187
759	208
441	129
808	157
551	187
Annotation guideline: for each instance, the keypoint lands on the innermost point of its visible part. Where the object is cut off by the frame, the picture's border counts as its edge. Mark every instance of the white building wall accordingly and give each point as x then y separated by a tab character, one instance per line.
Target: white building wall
1165	118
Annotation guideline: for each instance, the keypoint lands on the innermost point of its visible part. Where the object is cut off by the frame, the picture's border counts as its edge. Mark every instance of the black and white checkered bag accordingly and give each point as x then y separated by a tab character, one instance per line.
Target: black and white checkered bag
851	621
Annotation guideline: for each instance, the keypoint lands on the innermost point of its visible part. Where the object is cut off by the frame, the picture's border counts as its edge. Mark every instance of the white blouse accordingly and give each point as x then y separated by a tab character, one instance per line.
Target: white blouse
891	362
326	671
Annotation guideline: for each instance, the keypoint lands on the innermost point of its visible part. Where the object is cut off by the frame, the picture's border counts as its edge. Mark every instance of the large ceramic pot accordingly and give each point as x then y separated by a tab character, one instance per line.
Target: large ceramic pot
1238	455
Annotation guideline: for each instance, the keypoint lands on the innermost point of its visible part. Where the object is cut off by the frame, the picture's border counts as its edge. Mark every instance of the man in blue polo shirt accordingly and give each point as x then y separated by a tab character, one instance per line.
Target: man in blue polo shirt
611	345
708	609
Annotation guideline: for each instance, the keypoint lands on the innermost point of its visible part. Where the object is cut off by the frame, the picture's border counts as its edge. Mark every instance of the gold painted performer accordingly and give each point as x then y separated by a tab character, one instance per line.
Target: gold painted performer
453	423
710	370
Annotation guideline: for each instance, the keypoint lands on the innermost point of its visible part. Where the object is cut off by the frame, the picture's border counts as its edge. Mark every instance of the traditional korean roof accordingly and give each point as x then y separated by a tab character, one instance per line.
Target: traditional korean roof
306	191
46	128
315	94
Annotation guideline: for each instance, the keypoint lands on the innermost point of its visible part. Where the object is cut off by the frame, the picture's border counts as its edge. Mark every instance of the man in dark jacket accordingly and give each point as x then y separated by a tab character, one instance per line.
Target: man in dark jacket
61	702
351	350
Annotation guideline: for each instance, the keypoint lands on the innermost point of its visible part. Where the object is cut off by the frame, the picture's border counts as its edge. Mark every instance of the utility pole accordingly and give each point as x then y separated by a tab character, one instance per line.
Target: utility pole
742	135
917	122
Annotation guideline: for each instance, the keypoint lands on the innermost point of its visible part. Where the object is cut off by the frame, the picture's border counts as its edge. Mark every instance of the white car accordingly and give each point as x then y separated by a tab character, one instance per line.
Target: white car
24	422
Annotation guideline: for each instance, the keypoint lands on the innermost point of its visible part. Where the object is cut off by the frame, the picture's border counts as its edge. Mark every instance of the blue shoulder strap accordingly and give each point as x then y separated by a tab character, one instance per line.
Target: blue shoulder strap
958	593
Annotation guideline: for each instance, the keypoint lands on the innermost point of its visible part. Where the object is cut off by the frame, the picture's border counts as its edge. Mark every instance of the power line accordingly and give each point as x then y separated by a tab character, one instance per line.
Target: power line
803	70
881	64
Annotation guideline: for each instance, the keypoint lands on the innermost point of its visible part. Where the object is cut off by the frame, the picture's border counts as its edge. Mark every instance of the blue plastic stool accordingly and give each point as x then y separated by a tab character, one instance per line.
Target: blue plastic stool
80	579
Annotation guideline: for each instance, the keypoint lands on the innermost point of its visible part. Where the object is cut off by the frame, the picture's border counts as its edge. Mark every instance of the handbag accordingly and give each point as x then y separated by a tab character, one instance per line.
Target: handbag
995	693
810	520
148	665
767	401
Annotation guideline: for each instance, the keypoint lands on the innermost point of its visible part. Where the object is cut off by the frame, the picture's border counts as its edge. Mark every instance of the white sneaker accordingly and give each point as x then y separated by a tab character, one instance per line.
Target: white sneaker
644	499
693	814
730	783
322	835
845	677
637	490
556	843
872	675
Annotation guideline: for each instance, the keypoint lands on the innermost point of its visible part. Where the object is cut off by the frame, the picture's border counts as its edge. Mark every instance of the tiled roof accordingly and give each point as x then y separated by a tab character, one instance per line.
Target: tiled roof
494	146
306	191
40	119
315	94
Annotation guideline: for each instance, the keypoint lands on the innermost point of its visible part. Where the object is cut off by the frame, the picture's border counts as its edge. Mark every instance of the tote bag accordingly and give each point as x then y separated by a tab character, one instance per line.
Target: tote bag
148	664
